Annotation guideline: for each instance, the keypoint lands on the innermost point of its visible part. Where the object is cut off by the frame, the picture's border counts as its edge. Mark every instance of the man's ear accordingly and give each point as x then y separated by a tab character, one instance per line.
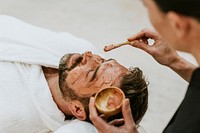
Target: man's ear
77	109
179	24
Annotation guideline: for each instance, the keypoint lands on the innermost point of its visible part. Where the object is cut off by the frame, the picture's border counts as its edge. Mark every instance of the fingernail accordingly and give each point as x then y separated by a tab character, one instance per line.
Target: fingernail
127	103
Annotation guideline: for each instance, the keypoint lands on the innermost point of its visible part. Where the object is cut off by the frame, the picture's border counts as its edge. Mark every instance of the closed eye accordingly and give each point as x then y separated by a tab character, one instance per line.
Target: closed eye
108	60
102	60
89	73
94	75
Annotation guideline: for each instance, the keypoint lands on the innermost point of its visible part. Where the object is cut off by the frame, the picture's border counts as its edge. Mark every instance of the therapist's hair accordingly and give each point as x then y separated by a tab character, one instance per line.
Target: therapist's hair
185	7
133	84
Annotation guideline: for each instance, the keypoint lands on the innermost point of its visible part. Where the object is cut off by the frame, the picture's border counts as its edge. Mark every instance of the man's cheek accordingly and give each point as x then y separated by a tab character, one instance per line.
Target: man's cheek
72	78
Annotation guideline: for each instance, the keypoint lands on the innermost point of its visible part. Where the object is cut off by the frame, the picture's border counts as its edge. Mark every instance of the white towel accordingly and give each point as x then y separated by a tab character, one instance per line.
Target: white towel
78	127
26	104
26	43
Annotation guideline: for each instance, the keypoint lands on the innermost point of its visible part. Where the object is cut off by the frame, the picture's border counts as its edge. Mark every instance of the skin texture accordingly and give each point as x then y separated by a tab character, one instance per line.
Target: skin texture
81	76
81	79
85	74
178	33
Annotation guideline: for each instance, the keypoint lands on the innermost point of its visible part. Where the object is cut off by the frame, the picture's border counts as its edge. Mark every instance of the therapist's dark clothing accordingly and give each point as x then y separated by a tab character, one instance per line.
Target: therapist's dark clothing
187	117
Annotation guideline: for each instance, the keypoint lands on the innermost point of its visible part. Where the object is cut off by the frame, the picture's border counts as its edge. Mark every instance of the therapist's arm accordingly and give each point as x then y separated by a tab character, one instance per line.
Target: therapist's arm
103	127
163	53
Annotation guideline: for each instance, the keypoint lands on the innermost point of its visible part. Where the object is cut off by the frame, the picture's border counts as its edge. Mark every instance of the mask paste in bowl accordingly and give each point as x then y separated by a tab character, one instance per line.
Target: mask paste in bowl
108	101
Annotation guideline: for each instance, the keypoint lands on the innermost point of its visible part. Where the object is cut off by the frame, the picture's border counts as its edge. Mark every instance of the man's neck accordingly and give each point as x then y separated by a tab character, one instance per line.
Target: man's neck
51	76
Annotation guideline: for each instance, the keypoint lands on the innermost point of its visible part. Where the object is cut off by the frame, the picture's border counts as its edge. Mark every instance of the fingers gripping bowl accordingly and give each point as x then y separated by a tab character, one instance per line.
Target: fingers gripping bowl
108	101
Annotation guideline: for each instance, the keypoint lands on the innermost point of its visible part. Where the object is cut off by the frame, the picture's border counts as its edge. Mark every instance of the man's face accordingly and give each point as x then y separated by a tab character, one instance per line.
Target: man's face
91	73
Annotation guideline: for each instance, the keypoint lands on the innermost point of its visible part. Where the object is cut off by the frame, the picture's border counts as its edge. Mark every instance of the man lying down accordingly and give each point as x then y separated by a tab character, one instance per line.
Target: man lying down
42	90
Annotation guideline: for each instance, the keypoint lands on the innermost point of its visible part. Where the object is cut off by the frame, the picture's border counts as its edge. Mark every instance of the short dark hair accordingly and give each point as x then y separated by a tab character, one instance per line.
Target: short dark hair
184	7
135	88
133	84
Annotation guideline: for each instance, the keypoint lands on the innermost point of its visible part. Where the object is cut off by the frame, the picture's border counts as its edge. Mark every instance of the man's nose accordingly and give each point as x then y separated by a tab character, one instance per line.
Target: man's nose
86	56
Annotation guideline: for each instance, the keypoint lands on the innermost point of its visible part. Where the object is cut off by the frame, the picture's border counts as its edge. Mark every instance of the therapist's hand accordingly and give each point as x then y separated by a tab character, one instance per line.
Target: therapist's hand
163	53
104	127
159	50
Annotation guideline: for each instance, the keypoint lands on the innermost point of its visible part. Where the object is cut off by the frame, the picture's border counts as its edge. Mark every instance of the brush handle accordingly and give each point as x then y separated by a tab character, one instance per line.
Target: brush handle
113	46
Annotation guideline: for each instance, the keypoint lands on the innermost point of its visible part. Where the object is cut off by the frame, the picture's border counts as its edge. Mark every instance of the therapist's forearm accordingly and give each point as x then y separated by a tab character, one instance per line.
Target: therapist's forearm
183	68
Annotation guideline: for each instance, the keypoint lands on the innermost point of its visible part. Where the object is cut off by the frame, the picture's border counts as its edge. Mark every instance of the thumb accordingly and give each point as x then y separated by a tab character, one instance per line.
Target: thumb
141	45
127	114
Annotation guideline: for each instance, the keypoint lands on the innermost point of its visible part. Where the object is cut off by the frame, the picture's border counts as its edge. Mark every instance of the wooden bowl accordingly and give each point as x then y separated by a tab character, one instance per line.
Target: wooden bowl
108	101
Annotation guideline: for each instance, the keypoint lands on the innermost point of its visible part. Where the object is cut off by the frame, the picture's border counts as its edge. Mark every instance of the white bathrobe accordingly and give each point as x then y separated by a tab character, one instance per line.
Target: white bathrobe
26	103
